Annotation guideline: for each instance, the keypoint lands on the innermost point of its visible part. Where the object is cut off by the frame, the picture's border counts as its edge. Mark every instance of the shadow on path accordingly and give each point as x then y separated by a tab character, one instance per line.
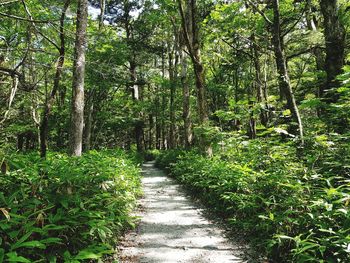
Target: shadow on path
173	229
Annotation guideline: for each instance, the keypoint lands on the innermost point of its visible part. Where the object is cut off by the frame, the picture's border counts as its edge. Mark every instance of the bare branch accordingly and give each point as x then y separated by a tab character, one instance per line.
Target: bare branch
8	2
10	72
25	19
296	22
38	31
12	96
256	8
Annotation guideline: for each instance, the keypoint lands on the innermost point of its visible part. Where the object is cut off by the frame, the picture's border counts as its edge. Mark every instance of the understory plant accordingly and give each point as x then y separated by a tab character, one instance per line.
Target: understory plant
292	208
65	209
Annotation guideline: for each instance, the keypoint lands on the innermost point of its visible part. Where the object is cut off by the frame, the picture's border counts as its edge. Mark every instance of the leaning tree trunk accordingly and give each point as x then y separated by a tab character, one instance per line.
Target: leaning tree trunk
44	126
335	47
77	115
281	63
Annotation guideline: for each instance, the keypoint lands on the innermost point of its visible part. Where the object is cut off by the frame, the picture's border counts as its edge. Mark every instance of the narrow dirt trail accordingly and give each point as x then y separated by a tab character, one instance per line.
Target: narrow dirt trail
173	229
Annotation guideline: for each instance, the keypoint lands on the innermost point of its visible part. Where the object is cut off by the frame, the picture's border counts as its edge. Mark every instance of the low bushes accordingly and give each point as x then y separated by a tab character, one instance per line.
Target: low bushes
65	209
288	209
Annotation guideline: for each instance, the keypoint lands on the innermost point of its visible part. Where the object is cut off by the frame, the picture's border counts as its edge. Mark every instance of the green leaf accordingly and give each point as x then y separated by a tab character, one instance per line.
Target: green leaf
21	240
13	257
2	254
86	254
52	259
52	240
32	244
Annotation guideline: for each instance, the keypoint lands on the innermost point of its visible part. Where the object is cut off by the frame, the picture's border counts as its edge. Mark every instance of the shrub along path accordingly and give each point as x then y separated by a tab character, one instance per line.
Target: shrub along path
173	229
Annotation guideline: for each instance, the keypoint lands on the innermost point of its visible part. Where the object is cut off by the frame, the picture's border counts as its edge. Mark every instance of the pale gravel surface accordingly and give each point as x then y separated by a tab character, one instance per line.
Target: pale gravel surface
173	229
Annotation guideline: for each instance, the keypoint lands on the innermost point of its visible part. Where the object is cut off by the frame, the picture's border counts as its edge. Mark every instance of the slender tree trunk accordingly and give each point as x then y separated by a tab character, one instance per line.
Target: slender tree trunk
164	145
150	131
317	52
312	25
138	128
284	81
44	126
192	39
334	33
102	13
259	84
77	118
186	115
89	121
171	69
158	120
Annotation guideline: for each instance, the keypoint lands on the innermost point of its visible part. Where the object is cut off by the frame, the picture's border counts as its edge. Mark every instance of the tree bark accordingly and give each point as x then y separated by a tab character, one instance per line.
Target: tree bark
102	14
138	128
77	118
172	94
89	121
334	33
259	84
190	27
164	102
186	114
281	63
173	61
158	120
44	126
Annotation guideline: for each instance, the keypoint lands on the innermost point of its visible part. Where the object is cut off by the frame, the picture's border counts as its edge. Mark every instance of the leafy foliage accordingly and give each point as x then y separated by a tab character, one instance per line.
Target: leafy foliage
295	211
65	209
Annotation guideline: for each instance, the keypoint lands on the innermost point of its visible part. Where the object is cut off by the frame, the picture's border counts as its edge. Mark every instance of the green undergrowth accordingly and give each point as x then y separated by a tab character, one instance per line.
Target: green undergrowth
66	209
293	209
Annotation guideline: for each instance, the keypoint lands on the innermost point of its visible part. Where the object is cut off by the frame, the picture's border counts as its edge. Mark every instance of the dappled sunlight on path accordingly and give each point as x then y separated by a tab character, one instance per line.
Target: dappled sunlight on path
173	229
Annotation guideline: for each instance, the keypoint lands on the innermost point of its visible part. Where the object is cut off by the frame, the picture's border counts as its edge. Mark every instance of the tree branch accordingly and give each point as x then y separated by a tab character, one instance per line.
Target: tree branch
37	30
185	33
256	8
25	19
302	52
8	2
296	22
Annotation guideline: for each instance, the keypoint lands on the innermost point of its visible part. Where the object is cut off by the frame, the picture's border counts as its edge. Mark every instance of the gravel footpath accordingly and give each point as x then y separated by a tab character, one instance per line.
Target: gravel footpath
173	229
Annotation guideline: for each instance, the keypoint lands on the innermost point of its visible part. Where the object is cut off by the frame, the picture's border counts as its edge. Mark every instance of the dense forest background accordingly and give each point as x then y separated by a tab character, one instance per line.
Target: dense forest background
256	68
259	90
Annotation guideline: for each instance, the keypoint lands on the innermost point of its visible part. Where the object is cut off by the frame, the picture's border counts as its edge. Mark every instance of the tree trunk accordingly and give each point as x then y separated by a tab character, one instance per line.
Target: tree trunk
44	126
164	144
77	118
335	47
138	128
88	125
186	102
190	27
312	25
158	120
150	131
102	14
171	69
259	84
281	63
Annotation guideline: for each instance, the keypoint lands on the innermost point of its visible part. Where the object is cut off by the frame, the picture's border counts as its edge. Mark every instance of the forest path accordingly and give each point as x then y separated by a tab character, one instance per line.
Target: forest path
173	229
